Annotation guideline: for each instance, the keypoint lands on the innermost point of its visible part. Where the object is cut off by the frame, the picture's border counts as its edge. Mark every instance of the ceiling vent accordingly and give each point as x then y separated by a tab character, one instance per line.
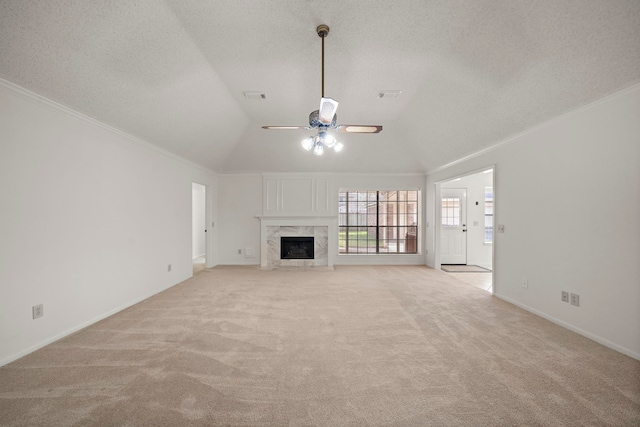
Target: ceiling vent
255	95
388	94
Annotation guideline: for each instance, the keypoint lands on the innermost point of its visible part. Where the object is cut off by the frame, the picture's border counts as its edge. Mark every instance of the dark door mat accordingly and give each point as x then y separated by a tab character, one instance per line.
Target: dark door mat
451	268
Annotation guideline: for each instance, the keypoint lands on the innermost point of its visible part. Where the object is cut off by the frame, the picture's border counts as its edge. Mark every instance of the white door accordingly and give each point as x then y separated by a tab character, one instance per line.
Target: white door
453	226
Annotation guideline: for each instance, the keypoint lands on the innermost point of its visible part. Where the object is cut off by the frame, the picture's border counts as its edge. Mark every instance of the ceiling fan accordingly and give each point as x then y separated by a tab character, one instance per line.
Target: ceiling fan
324	119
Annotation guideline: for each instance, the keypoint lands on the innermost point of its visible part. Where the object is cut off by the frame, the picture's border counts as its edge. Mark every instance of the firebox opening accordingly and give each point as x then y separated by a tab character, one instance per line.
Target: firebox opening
296	248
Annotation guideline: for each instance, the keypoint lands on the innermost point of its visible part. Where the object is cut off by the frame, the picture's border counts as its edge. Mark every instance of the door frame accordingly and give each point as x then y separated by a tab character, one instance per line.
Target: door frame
463	217
438	220
207	231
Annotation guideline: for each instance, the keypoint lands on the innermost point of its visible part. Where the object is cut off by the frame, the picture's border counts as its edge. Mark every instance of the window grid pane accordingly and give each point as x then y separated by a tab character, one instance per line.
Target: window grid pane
373	222
451	211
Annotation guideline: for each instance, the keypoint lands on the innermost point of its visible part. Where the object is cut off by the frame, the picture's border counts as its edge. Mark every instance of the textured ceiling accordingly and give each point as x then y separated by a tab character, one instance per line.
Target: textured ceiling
472	73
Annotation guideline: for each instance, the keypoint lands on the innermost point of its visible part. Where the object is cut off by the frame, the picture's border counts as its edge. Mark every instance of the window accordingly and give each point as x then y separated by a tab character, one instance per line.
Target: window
373	222
451	211
488	214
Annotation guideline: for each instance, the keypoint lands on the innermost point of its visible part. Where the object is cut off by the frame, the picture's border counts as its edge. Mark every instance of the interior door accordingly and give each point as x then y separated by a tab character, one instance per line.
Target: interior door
453	226
198	226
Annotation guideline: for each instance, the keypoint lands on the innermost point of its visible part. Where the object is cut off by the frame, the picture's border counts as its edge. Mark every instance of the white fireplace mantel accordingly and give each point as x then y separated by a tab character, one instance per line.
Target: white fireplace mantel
297	221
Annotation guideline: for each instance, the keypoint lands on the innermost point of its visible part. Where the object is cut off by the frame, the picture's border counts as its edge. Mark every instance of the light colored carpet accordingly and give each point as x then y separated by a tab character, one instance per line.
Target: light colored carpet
358	346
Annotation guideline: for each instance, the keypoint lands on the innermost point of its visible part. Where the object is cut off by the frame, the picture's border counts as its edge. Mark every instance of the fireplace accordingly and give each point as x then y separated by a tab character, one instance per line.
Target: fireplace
298	247
323	230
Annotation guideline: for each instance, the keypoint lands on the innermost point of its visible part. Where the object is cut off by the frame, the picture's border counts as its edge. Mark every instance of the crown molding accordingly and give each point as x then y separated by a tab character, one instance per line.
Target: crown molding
26	94
609	98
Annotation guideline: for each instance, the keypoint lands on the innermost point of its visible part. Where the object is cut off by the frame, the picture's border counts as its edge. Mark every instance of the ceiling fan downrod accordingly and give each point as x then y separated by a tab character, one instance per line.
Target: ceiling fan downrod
323	31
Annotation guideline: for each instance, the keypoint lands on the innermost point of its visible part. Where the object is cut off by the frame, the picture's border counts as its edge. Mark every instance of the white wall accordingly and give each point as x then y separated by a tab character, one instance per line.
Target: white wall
241	201
199	220
90	220
568	193
239	205
478	252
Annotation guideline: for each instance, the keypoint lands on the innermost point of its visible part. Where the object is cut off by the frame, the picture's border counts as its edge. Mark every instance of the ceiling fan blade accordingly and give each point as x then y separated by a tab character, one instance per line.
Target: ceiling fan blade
284	127
360	128
327	110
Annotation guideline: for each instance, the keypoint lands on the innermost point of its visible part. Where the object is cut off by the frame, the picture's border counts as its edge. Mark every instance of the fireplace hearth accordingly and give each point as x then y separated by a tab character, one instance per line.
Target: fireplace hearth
298	247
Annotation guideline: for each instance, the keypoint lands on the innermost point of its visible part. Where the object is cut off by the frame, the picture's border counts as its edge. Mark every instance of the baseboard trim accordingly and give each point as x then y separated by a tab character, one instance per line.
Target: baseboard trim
573	328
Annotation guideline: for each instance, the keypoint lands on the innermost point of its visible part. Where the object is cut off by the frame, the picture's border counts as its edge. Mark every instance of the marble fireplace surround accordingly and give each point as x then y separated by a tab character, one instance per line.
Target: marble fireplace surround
323	229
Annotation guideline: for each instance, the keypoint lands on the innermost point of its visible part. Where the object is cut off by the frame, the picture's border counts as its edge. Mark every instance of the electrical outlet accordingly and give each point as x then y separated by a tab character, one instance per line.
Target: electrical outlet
169	268
37	310
500	228
575	300
525	283
565	296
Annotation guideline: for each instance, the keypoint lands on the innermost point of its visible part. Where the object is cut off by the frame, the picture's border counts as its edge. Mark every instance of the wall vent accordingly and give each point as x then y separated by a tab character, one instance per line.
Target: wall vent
255	95
389	94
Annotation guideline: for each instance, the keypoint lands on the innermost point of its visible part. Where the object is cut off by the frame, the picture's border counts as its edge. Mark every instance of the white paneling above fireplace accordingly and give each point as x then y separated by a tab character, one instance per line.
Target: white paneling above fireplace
296	195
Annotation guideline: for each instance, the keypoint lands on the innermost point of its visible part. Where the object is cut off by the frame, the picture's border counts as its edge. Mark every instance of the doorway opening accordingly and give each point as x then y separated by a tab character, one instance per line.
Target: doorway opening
198	226
464	232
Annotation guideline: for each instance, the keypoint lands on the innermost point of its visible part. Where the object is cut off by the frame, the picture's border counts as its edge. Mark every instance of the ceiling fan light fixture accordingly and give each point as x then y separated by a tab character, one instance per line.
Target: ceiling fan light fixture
318	148
308	143
327	140
338	147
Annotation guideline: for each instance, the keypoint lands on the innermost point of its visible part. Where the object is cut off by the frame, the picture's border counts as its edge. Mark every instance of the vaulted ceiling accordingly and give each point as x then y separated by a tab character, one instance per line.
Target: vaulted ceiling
174	72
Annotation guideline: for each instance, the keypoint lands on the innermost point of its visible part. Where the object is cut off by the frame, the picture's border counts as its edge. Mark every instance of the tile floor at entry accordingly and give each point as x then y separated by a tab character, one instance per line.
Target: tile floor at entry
480	280
198	264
